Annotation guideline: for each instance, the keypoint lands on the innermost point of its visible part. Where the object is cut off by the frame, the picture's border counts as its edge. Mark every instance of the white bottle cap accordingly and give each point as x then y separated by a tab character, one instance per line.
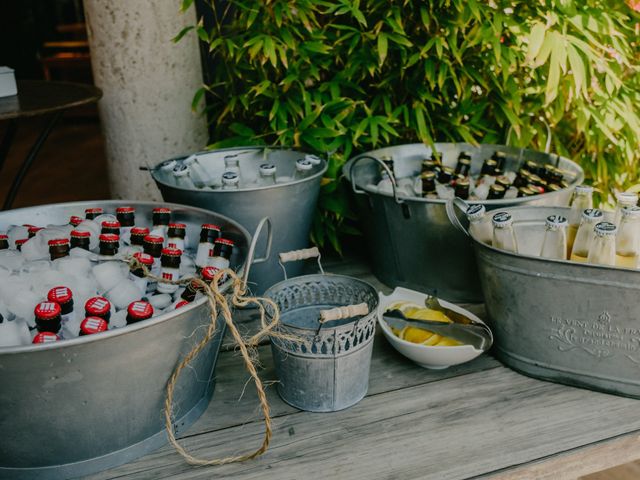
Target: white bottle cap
314	159
267	169
502	220
168	165
591	213
475	212
555	221
191	159
230	178
631	212
627	198
303	165
181	170
603	229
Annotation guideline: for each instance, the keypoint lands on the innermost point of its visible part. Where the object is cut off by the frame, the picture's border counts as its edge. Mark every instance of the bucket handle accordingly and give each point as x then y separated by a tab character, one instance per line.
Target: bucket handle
450	208
251	260
547	145
340	313
295	255
392	177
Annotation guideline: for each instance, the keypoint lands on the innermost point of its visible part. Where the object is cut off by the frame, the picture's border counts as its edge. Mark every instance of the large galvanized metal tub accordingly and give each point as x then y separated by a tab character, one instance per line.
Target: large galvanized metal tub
411	242
562	321
82	405
290	206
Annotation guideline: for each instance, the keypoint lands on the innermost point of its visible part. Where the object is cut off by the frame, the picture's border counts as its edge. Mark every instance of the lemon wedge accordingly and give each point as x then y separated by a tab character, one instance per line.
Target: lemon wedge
426	314
416	335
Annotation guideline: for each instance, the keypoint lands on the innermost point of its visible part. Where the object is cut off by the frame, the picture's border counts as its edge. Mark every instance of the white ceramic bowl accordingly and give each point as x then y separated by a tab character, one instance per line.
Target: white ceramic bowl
426	356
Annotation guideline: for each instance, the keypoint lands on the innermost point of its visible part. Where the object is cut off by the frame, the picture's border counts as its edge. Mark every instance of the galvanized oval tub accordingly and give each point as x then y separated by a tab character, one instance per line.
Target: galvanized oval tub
562	321
86	404
411	242
290	206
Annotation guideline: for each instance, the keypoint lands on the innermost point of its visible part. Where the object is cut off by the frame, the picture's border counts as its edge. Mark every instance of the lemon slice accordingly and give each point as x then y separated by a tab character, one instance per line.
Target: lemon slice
448	342
416	335
427	314
433	340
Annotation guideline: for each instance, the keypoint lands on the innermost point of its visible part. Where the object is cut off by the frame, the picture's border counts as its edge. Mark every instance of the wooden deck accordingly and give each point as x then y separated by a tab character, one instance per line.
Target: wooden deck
478	420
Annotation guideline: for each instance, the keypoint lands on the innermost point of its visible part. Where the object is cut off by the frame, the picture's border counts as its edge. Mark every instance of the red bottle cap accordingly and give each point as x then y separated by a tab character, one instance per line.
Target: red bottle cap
210	226
80	234
140	310
60	295
4	237
47	310
125	210
21	241
33	229
162	210
57	241
75	220
93	210
97	306
224	241
109	237
91	325
171	252
208	273
45	337
111	224
139	231
177	225
182	303
153	239
144	258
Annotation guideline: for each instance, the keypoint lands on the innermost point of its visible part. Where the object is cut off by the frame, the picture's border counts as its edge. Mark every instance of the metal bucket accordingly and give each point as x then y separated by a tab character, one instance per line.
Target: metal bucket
326	366
562	321
290	206
411	242
90	403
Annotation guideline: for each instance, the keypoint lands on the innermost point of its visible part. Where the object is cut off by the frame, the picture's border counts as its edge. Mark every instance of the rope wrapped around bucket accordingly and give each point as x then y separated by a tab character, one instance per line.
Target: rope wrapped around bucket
218	303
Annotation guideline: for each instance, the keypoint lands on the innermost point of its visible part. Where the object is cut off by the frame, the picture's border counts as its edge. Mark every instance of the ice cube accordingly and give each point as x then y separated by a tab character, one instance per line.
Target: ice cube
109	274
36	266
511	193
35	249
123	294
105	217
160	301
14	332
78	252
11	259
71	328
17	232
445	192
22	306
127	251
118	319
187	266
77	266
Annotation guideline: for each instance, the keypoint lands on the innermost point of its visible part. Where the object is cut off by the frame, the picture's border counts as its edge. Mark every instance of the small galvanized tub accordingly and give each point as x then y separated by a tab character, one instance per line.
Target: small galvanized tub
324	366
562	321
410	240
290	205
90	403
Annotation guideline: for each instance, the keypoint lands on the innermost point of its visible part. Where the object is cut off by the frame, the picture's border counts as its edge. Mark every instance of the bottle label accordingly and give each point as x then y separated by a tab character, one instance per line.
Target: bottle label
501	217
474	209
592	213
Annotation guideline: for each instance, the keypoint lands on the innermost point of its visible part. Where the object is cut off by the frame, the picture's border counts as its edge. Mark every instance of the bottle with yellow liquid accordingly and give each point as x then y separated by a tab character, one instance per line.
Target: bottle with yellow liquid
603	248
582	199
554	244
584	237
480	226
624	199
628	238
504	237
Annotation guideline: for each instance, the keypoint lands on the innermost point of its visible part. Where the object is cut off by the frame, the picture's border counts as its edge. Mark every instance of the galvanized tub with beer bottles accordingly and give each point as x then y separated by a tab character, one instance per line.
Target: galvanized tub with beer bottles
567	322
411	242
290	205
89	403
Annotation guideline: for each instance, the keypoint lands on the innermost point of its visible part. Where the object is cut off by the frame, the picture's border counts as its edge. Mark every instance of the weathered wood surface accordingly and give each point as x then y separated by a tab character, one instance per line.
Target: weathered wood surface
479	420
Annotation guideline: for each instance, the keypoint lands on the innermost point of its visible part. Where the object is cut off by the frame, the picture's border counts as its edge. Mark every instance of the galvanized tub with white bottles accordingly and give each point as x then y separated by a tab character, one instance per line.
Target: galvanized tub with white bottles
81	405
289	199
411	242
568	322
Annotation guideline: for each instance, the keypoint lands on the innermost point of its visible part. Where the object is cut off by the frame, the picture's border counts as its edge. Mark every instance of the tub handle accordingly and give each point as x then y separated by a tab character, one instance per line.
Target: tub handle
251	260
547	145
355	188
296	255
340	313
450	208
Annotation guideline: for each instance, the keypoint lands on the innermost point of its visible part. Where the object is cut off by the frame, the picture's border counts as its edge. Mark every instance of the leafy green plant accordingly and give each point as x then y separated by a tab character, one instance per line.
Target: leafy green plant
344	76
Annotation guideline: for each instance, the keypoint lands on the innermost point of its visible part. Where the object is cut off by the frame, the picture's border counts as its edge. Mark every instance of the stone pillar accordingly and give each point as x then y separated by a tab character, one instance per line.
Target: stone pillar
148	83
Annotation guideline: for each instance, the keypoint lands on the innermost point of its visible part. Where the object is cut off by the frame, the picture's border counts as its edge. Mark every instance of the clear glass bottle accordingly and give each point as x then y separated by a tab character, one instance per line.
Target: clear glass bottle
603	248
181	176
504	236
584	237
267	174
232	164
230	181
480	226
628	238
624	199
199	175
303	169
554	244
582	199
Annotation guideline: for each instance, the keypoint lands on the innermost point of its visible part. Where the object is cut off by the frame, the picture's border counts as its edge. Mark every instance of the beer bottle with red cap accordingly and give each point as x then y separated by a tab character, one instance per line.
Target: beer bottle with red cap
153	247
111	227
161	217
4	241
80	239
109	243
74	220
175	235
98	307
47	317
137	238
138	311
181	303
20	242
137	274
170	271
127	218
222	250
45	337
63	297
91	213
32	229
208	234
91	325
192	289
58	248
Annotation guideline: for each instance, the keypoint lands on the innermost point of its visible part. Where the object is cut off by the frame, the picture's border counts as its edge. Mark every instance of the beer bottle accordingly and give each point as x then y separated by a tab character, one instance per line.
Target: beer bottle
63	297
111	227
232	164
585	234
153	247
22	241
537	184
208	234
33	230
463	167
175	235
127	218
160	218
230	181
47	317
480	226
582	199
91	325
429	185
501	159
428	165
462	189
437	158
525	192
4	242
554	244
267	174
531	167
137	274
624	199
197	172
628	238
74	220
222	250
91	213
170	270
603	248
138	311
45	337
109	243
80	239
496	192
303	169
488	172
137	237
504	236
98	307
58	248
190	292
182	177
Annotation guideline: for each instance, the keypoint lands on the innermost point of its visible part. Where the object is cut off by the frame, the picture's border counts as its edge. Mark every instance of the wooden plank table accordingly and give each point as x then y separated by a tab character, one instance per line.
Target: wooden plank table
478	420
